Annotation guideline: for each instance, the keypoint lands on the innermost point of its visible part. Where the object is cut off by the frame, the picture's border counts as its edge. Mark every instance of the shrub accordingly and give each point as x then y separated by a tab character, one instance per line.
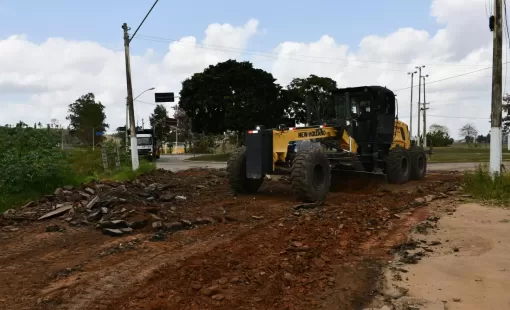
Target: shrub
32	165
30	160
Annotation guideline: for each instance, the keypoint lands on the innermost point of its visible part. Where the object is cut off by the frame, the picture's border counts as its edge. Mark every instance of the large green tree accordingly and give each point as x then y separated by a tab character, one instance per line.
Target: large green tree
314	94
159	118
87	117
233	96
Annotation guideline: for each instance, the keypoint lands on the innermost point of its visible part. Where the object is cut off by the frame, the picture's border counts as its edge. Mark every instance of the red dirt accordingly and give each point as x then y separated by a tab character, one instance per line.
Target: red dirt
259	253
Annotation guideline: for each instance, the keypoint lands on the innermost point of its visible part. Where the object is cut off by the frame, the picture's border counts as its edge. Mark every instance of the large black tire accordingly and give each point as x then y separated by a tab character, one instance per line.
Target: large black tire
236	170
311	175
418	162
398	166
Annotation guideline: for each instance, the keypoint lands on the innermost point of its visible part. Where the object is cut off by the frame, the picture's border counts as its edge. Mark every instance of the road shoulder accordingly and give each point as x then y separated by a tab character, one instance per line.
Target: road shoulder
456	259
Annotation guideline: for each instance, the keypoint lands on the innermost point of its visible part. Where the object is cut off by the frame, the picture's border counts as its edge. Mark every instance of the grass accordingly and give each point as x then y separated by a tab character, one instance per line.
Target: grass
211	157
481	184
457	154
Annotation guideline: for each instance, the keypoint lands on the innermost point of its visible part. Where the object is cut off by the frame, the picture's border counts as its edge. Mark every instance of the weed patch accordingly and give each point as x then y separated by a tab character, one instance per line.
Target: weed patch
481	184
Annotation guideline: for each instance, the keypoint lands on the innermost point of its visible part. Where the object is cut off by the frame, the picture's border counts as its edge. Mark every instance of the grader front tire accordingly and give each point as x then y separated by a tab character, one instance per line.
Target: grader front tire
311	175
236	170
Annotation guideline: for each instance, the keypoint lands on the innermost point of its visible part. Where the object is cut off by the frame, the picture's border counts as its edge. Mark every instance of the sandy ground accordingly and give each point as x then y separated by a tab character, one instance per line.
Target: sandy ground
466	264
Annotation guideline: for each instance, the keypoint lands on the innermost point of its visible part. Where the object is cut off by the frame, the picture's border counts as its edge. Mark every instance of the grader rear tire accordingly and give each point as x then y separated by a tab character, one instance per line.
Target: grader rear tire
418	162
311	175
236	171
398	166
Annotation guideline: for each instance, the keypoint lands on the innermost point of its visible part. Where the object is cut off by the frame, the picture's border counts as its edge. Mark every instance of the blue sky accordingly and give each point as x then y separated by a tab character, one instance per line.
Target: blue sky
100	20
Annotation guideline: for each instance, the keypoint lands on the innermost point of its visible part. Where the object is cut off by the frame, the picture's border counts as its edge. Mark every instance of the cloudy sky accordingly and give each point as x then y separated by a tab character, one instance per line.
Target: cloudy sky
52	52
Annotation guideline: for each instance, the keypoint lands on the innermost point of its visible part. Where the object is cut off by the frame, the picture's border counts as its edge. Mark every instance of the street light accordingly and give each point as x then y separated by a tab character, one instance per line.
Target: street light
127	113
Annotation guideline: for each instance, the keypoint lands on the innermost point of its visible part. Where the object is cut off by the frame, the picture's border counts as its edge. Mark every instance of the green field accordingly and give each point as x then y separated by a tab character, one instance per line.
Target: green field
462	153
454	154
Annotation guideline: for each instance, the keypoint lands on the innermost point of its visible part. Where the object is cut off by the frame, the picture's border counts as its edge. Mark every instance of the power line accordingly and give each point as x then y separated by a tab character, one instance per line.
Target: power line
451	77
449	116
147	15
244	50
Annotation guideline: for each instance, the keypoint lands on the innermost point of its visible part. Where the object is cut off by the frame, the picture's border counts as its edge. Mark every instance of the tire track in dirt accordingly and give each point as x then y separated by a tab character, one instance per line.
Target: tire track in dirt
97	289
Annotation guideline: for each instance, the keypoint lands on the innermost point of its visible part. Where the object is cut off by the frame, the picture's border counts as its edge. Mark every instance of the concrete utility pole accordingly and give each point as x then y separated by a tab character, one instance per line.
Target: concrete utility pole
127	124
425	103
419	103
497	76
411	108
134	145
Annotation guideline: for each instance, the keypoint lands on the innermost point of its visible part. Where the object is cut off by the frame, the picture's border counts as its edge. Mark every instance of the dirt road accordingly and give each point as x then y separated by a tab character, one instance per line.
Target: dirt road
196	246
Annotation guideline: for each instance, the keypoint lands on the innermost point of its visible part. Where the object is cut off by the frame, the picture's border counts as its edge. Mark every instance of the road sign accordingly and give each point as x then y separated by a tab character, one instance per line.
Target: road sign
164	97
99	133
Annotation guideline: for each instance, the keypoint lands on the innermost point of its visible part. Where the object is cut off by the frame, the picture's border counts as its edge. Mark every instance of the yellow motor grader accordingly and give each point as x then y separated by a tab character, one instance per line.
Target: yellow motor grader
365	135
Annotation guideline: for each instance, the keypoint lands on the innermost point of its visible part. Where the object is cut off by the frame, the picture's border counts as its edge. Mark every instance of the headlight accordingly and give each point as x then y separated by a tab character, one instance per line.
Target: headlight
348	123
257	128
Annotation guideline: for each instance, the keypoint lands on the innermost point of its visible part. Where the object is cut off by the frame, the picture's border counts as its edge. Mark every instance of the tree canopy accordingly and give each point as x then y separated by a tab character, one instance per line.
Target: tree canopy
159	118
438	136
313	93
234	96
183	125
87	117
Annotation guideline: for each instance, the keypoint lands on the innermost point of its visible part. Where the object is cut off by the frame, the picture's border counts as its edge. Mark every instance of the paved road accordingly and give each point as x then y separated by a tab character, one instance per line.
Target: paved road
176	163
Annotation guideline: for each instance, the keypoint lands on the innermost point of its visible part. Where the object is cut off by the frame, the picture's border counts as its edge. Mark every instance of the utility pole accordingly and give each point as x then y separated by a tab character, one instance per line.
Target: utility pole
93	139
411	108
419	103
424	109
134	145
176	132
497	73
127	123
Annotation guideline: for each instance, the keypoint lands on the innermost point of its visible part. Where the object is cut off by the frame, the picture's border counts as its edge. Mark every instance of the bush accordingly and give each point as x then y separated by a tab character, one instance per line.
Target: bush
203	144
32	165
31	161
482	184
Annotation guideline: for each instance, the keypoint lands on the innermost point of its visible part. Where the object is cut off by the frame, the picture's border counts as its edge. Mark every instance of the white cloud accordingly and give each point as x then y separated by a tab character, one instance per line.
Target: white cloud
54	73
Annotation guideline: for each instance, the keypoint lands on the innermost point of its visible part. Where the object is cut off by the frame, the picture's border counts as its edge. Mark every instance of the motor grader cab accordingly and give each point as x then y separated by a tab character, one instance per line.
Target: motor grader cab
365	135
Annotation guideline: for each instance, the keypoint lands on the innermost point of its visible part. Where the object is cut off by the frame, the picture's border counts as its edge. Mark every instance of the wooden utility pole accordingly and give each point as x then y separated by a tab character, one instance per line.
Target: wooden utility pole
134	145
497	76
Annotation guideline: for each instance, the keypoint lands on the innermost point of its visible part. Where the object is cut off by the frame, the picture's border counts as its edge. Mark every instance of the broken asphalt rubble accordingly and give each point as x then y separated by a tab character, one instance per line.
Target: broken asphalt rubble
150	202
